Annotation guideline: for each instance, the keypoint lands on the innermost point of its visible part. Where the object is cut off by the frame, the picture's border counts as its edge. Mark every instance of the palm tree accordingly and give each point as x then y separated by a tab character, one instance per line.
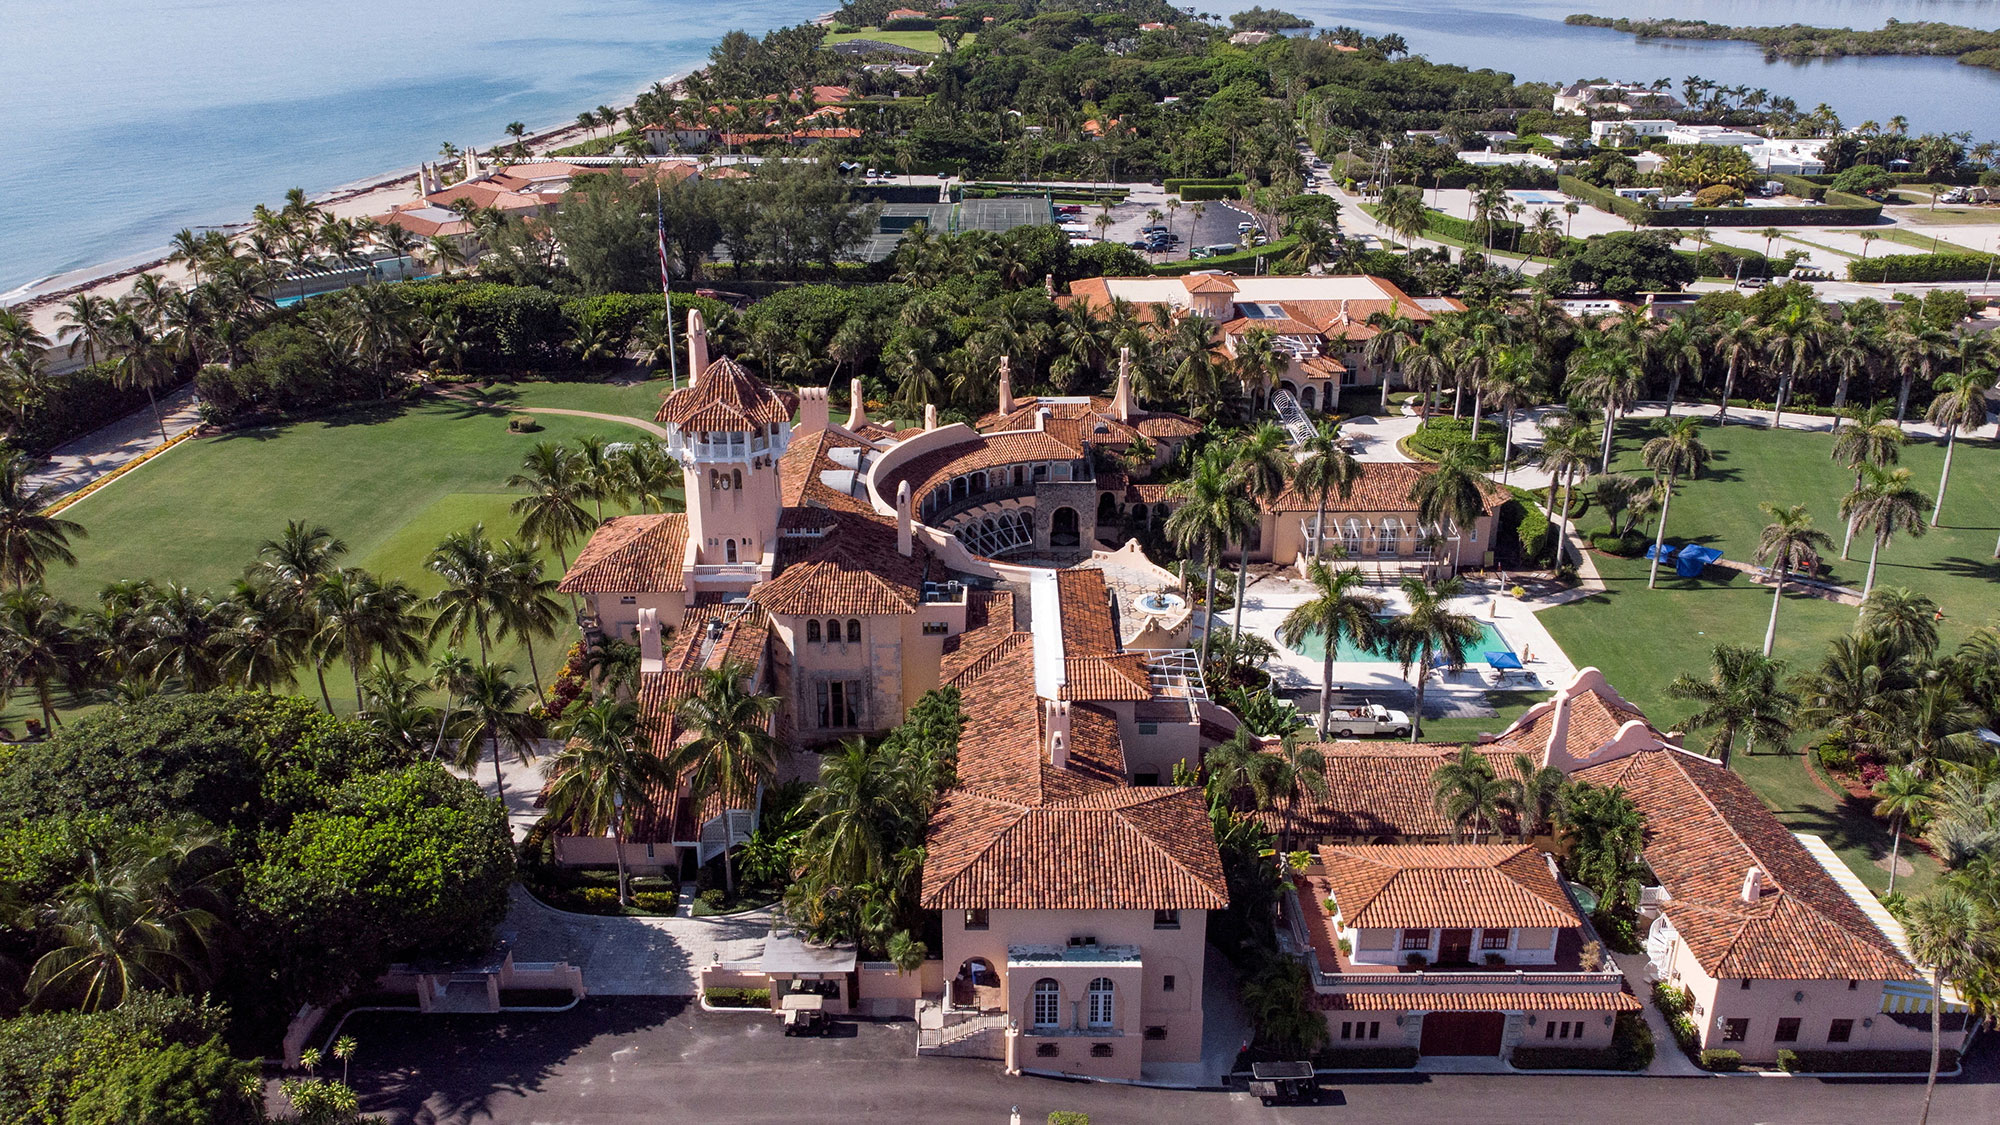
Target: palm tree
1338	610
90	318
527	608
38	645
29	539
1610	372
1789	542
1261	468
1918	347
733	754
263	635
1564	453
1427	632
1742	695
1325	468
1394	331
1739	339
1678	449
1902	795
143	361
1212	512
1605	832
605	764
142	917
1534	794
180	632
1866	437
1904	619
450	671
475	582
1466	791
1961	403
1402	210
1453	492
1511	379
1947	934
1886	503
494	718
1243	764
550	513
363	617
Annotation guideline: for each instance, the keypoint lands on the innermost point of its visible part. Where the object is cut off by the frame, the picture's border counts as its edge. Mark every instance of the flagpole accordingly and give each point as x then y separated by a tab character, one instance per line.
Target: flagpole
666	289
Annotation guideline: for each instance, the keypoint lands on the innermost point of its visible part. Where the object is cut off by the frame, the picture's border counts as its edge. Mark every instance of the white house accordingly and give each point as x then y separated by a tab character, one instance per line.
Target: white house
1614	134
1717	135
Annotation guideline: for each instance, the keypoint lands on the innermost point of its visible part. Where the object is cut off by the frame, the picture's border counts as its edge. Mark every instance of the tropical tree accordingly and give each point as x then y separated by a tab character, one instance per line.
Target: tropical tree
1743	695
1564	454
733	753
1903	619
1948	935
1430	633
527	607
449	672
1789	542
475	584
1339	609
1902	795
604	765
1739	339
1453	492
1511	379
1534	794
1605	832
551	513
145	915
1866	437
263	636
362	617
396	709
1678	449
1325	469
1961	402
1395	330
38	645
1887	502
1466	791
29	538
493	717
1261	468
1611	373
1243	765
1402	210
1212	512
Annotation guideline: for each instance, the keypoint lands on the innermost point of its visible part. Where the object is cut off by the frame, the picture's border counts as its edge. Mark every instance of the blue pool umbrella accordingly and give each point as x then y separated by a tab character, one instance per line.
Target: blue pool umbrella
1503	660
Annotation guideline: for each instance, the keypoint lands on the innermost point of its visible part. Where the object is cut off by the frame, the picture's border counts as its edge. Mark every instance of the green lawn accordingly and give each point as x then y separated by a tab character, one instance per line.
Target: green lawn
1925	242
390	481
1948	215
925	41
1643	638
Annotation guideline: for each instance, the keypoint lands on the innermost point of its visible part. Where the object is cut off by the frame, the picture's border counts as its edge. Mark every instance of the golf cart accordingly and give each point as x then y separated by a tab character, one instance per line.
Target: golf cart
804	1014
1284	1083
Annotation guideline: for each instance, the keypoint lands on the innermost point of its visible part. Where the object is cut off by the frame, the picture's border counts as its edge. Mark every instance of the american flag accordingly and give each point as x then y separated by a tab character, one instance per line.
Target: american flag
666	289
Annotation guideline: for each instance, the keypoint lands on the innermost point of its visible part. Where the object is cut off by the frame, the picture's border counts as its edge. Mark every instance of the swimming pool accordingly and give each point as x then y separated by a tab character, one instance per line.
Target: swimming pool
1314	648
1535	198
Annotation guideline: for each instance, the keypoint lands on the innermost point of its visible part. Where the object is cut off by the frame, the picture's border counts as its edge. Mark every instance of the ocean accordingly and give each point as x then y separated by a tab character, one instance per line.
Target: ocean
130	119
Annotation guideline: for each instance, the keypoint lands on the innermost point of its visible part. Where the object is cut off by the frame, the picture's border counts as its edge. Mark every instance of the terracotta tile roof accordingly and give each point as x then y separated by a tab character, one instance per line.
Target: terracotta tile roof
725	397
1704	830
1384	487
1104	427
1375	790
1085	603
1209	283
800	479
855	568
929	470
1411	1000
1444	885
631	555
1107	679
1594	720
989	637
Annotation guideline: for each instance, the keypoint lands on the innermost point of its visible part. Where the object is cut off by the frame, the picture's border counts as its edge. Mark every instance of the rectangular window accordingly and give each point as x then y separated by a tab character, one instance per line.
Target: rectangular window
1550	1033
1156	1032
628	601
1167	983
1416	939
1839	1031
839	703
1745	986
936	628
1735	1031
1375	1029
1166	919
1788	1030
1047	1050
1346	1029
1494	939
1100	1050
1852	985
975	920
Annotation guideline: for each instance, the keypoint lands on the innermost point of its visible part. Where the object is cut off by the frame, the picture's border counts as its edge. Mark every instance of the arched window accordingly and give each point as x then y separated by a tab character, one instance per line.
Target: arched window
1100	1002
1048	1003
736	479
853	631
1141	515
1107	508
714	480
729	550
833	632
812	632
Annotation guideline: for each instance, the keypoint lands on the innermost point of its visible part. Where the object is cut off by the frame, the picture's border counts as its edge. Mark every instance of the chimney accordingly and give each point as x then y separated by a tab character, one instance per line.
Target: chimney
1343	310
813	410
697	346
857	401
1121	404
1753	885
423	182
1042	419
1555	752
903	519
1049	285
650	657
930	416
1058	717
1006	386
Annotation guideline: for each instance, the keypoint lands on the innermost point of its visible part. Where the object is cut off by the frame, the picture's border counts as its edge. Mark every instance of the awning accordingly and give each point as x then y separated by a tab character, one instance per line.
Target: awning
1503	660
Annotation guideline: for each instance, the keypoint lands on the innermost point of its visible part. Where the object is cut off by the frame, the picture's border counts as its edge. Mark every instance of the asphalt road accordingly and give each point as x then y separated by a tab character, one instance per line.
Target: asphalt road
644	1060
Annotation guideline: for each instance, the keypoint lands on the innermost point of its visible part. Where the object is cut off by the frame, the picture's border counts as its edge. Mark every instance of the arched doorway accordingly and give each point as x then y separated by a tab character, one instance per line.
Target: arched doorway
1107	508
976	985
1063	528
1309	397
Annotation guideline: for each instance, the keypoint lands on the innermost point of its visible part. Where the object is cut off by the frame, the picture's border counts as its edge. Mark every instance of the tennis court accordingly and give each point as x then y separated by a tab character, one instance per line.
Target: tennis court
1004	214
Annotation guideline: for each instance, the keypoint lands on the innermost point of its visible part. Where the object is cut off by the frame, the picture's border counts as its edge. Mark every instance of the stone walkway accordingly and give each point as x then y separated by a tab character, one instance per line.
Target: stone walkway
626	956
111	447
1669	1061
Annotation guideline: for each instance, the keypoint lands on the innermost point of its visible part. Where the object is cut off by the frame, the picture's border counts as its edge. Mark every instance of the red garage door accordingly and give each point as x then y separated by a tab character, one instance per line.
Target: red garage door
1463	1033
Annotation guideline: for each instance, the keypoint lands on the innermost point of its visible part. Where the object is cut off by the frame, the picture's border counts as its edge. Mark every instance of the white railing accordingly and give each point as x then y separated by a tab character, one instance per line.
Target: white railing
1292	416
960	1030
1003	538
1607	978
733	827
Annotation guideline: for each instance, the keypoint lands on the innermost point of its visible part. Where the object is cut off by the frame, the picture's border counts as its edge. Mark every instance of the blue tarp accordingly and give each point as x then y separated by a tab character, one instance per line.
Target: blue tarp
1693	559
1504	660
1665	550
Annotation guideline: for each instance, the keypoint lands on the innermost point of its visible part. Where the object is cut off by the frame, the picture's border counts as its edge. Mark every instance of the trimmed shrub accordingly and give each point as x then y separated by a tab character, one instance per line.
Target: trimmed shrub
737	997
1718	195
656	902
523	424
1632	543
1198	193
1366	1058
1174	186
1068	1117
1864	1062
1721	1061
1922	267
1567	1058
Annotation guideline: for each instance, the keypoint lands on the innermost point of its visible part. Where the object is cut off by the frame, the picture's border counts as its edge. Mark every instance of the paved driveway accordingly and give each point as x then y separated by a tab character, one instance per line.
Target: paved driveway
632	956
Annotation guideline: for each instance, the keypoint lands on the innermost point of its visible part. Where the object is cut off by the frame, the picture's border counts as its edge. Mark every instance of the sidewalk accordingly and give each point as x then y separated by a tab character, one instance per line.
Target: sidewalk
1669	1061
108	448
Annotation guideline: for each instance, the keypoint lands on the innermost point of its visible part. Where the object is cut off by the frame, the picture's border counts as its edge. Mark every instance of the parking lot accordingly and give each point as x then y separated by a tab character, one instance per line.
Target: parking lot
1215	226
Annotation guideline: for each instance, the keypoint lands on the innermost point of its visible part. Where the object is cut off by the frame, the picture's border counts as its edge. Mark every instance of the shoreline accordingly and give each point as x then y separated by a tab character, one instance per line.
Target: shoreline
391	186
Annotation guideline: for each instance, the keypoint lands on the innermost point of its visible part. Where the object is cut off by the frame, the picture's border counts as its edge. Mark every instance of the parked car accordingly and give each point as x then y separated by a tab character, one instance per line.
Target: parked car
1153	228
1245	227
1284	1083
1140	244
1368	718
1751	283
1070	209
1222	248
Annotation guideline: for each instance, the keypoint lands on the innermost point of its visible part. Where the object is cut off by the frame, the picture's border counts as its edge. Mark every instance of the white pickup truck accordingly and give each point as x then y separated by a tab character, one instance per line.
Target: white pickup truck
1369	718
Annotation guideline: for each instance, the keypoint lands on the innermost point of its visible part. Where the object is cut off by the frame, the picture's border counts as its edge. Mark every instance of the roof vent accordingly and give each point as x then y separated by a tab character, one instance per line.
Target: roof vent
1753	884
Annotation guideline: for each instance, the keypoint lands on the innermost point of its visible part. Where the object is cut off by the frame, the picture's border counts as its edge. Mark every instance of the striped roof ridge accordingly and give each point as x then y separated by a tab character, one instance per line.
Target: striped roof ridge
1109	679
631	555
1424	886
1375	789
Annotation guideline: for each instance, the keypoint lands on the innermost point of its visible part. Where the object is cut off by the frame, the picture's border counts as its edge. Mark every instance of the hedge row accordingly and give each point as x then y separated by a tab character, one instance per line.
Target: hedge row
66	407
1506	233
1864	1062
1569	1058
1923	267
1243	259
1842	208
737	997
1200	193
1174	186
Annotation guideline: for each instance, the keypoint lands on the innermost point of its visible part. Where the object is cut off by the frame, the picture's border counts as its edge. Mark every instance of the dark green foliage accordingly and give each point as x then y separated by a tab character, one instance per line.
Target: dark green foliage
737	997
1863	178
56	1065
1202	193
56	410
177	1084
1438	435
1724	1061
1864	1062
1922	267
411	864
1624	264
1068	1117
1673	1003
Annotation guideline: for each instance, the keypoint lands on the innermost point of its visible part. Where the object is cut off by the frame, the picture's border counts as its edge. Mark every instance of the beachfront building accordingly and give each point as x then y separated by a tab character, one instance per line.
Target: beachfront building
1613	97
1776	944
1319	324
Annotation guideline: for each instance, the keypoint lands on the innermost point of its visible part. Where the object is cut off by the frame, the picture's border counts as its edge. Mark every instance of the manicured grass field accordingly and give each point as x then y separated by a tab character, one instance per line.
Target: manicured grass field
1948	215
1915	240
390	481
1643	638
925	41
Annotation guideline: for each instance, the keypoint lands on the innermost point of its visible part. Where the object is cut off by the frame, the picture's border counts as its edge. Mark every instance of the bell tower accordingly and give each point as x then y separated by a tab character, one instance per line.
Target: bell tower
727	429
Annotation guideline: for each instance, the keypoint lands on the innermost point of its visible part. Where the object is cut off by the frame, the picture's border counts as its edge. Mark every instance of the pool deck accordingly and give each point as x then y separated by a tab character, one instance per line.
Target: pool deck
1273	595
